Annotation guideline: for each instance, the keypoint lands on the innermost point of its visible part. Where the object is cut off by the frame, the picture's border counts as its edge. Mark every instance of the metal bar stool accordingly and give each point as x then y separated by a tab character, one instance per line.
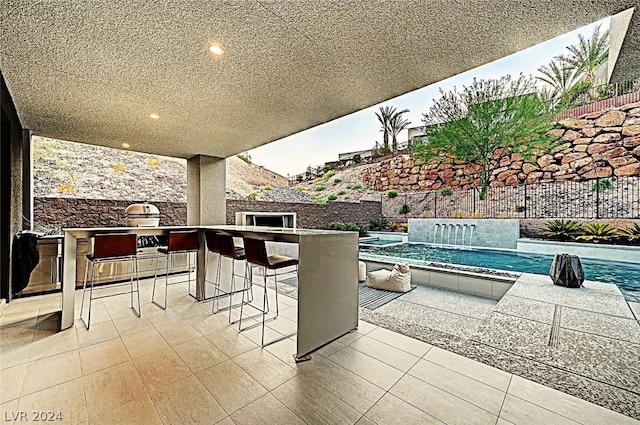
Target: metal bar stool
227	249
111	248
256	253
179	243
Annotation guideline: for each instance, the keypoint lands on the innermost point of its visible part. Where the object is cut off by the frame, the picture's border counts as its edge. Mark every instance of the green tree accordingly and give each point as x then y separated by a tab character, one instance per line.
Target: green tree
484	123
397	123
589	54
384	118
561	79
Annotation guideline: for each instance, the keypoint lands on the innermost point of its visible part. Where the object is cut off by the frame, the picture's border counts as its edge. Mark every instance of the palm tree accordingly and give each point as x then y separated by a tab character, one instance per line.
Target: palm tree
397	123
561	77
588	55
384	117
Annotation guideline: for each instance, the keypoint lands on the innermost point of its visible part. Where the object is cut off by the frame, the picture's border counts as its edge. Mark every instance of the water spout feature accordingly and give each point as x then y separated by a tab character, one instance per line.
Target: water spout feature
435	232
473	226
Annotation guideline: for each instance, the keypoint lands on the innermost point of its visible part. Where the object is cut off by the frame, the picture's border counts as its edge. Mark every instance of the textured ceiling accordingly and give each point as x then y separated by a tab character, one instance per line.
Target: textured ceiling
93	70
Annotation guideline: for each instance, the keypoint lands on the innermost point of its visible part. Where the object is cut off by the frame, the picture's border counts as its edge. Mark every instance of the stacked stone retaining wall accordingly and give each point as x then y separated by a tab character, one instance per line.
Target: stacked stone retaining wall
596	145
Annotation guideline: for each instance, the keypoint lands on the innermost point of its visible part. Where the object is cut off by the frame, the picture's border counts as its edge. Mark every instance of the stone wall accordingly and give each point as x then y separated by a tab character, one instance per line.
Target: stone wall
312	215
71	212
600	144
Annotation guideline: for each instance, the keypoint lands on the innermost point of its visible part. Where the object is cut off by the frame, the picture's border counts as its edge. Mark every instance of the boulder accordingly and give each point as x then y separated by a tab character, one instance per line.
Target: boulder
629	106
572	157
556	132
628	170
631	130
591	131
528	167
622	161
611	118
615	152
598	147
593	115
512	181
571	135
598	173
581	162
607	138
582	141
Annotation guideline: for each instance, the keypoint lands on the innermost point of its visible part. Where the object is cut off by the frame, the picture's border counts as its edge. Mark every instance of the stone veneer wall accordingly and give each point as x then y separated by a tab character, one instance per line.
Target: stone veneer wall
311	215
71	212
600	144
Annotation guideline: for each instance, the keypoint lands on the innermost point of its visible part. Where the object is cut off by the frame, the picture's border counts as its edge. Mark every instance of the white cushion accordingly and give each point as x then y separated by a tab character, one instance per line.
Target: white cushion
397	280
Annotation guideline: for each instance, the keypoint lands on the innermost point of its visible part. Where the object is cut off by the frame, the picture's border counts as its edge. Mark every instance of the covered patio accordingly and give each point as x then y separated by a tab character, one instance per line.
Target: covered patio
205	81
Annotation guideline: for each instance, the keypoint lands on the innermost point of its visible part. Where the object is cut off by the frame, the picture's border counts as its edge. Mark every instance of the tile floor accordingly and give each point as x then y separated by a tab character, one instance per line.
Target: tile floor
185	365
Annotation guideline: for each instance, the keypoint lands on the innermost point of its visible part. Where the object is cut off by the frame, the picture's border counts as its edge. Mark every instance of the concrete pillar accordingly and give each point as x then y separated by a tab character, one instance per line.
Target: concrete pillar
27	180
206	190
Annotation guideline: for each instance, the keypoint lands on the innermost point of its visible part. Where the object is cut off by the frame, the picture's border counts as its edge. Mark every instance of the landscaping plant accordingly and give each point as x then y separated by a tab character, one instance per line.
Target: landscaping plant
562	230
631	233
392	194
598	232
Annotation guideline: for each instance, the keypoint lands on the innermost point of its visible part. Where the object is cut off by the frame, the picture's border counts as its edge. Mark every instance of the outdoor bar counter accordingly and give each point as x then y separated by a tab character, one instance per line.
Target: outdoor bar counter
327	275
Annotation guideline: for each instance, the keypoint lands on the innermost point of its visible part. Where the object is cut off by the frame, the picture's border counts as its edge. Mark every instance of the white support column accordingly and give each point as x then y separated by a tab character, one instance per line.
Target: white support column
206	203
206	193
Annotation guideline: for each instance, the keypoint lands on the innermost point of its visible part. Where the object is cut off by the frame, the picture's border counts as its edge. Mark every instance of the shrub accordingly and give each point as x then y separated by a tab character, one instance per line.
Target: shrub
392	194
153	162
404	209
519	208
446	191
601	185
320	187
332	197
356	186
598	232
267	187
245	157
379	224
349	186
117	168
346	198
403	227
348	227
631	233
299	178
562	230
336	181
341	192
357	158
253	196
328	174
319	201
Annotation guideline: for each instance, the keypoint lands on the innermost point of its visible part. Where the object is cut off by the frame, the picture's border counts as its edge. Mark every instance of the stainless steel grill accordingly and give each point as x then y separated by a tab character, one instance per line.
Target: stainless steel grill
142	215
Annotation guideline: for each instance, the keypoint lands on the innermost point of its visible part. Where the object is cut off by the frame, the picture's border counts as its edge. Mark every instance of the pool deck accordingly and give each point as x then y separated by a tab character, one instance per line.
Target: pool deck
584	342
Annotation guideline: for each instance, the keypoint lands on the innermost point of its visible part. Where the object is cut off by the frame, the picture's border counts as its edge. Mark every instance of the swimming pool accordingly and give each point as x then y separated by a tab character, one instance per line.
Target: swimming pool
625	275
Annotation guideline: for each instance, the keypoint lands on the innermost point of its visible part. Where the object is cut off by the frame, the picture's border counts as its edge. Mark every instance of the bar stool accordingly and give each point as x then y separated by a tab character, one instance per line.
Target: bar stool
179	243
111	248
227	249
256	253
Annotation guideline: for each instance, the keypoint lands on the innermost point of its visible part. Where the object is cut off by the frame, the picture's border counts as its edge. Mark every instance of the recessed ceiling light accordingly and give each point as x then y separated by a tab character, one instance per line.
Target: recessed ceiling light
215	49
125	145
154	116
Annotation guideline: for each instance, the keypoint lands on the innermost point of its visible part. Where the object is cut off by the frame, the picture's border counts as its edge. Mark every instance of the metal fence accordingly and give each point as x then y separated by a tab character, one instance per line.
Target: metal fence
603	96
616	197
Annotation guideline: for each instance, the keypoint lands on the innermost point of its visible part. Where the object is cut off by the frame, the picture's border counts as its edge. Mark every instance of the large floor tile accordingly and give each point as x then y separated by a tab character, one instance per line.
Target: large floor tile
357	392
67	398
402	342
564	404
314	404
601	324
109	389
231	342
139	411
385	353
520	412
373	370
468	389
103	355
161	368
479	371
266	410
440	404
390	410
11	379
51	371
265	368
54	343
231	386
199	354
142	343
98	332
178	331
187	402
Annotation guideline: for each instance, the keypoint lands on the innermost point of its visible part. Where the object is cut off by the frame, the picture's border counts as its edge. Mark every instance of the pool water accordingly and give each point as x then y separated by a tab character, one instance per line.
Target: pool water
624	275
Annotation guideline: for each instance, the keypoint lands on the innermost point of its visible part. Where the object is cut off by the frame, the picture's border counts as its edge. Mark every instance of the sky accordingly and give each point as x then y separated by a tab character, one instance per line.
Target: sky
360	130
